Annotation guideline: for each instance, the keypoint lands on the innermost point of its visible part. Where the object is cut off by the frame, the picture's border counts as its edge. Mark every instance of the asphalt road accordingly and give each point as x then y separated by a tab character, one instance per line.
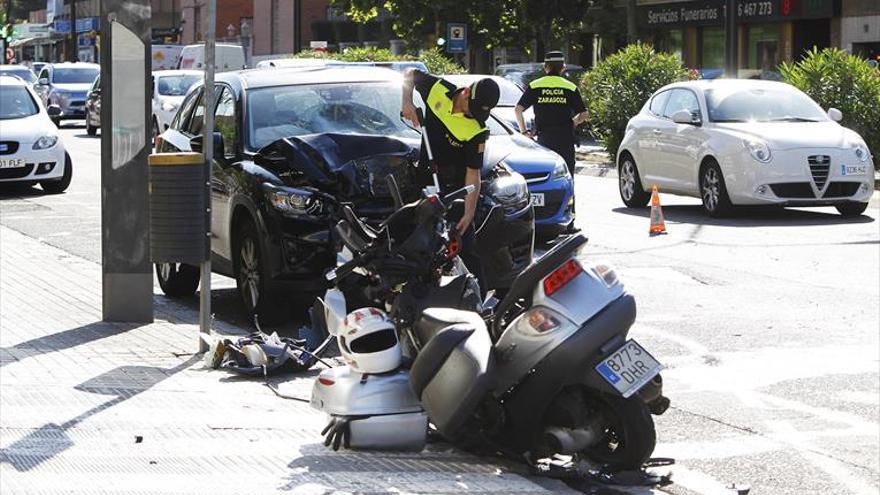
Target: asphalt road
767	324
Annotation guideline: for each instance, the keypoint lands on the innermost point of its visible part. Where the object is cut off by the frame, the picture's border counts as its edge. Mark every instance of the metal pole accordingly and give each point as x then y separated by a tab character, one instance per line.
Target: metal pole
730	42
208	149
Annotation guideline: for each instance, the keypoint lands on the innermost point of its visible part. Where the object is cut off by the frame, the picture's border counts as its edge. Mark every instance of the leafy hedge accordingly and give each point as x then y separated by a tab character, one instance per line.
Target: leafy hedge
837	79
615	90
434	59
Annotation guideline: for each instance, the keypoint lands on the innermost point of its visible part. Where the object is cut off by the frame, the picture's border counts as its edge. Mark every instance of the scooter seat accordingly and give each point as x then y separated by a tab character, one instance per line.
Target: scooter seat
435	319
453	373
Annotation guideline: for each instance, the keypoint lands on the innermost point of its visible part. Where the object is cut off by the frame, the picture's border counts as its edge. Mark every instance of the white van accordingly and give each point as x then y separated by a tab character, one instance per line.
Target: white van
226	57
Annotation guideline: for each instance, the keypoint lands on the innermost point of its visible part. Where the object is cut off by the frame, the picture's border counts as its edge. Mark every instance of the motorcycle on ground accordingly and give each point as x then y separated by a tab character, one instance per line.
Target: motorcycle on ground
548	371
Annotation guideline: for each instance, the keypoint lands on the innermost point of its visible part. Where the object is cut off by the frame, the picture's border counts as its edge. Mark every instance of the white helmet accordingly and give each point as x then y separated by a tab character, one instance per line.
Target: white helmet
368	341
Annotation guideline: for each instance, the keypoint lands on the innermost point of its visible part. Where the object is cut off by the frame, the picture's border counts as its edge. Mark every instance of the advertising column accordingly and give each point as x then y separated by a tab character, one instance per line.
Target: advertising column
126	143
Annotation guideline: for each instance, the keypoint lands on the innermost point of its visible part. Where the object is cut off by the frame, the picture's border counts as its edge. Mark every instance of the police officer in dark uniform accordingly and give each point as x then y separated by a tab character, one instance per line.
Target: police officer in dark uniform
559	109
455	123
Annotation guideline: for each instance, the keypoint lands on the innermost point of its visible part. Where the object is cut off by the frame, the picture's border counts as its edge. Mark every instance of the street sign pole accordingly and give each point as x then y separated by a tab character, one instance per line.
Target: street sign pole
208	150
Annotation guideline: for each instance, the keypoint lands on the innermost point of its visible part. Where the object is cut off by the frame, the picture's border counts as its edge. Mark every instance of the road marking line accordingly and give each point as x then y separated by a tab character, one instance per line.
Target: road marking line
831	467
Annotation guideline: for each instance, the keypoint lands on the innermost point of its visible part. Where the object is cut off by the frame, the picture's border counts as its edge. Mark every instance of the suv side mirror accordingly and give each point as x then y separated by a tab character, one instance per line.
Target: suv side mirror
835	114
196	144
53	110
686	117
43	81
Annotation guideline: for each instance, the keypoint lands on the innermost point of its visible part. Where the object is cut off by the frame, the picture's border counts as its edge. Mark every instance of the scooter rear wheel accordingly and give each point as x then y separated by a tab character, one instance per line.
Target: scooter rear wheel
629	435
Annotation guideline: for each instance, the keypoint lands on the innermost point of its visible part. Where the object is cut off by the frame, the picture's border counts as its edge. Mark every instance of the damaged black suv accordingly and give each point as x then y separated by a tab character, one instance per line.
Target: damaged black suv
290	146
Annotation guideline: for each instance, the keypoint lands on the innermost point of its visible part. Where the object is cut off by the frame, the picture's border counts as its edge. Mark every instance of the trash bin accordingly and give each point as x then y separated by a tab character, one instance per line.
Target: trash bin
178	213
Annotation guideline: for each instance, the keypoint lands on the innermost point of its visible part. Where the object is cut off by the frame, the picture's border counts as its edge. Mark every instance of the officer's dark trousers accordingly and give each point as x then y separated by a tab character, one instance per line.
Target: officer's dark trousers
561	140
471	259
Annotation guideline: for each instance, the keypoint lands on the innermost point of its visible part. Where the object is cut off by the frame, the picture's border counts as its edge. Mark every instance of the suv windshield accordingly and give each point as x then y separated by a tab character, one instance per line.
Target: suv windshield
176	85
16	103
74	76
762	105
363	108
22	73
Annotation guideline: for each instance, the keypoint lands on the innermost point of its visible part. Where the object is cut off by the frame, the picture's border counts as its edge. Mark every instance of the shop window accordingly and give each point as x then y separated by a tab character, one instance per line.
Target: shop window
764	43
712	48
671	41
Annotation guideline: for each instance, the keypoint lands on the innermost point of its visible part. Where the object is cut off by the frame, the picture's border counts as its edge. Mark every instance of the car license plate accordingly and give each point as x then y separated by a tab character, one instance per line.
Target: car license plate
11	162
538	199
853	170
628	368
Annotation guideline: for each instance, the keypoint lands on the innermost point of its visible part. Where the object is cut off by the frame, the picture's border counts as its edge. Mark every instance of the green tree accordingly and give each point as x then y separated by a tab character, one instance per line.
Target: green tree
491	23
837	79
617	87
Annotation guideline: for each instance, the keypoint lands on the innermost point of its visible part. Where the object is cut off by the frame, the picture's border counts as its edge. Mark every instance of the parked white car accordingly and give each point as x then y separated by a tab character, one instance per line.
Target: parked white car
31	150
743	142
169	88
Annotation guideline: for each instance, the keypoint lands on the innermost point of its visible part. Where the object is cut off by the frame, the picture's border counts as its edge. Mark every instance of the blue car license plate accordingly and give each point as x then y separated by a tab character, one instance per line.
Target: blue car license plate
628	368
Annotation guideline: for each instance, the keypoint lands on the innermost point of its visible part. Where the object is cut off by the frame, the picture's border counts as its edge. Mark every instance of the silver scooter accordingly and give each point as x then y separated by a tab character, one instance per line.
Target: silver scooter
549	372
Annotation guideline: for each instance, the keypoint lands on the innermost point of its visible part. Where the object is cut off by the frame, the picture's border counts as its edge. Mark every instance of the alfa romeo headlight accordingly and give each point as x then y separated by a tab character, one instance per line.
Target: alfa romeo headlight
861	151
560	169
45	142
758	149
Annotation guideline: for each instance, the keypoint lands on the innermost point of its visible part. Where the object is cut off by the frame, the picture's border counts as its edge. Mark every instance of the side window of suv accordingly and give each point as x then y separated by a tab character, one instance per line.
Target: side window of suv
194	125
224	120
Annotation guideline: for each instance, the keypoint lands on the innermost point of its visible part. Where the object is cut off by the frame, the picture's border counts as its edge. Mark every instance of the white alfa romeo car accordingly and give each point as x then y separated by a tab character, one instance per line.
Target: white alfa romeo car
31	150
743	142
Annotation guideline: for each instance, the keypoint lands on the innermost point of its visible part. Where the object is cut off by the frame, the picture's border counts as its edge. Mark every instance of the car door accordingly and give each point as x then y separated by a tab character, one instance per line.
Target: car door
93	103
224	171
681	142
42	85
649	128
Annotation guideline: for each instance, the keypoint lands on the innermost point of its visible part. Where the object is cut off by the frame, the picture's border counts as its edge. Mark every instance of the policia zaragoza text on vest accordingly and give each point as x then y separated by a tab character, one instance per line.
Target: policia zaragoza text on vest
455	123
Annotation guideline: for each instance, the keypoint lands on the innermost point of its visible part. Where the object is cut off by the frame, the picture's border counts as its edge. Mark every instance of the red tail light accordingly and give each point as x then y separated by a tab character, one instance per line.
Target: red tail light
325	381
561	276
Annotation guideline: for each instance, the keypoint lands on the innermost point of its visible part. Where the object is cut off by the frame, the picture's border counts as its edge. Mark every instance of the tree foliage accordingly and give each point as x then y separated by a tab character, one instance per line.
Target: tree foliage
836	79
617	88
491	23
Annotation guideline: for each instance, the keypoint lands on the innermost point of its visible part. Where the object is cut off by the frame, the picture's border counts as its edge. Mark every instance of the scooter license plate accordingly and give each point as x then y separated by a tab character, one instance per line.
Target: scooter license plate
628	368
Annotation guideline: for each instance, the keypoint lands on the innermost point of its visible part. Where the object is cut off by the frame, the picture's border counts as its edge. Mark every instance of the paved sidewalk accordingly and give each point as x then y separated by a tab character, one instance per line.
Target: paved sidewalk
90	407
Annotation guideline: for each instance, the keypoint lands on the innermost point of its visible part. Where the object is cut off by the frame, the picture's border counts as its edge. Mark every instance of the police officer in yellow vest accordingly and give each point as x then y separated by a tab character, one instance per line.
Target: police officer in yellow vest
559	108
455	123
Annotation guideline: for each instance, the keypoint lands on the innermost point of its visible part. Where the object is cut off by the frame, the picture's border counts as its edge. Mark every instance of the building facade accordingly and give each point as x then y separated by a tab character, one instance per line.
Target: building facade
769	31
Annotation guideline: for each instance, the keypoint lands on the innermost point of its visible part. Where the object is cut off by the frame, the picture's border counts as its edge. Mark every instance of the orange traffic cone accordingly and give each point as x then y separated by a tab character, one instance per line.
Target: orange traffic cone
658	226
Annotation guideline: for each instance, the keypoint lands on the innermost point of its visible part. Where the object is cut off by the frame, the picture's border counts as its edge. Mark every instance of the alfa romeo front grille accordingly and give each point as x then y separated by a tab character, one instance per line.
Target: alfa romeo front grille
819	165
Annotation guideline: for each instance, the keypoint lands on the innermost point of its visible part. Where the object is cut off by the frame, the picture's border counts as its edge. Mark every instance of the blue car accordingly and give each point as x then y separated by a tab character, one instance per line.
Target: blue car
546	173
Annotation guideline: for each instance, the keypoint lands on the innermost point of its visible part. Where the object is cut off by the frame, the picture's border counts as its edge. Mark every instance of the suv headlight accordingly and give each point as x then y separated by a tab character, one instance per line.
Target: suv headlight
861	151
292	201
509	190
45	142
758	149
168	106
560	169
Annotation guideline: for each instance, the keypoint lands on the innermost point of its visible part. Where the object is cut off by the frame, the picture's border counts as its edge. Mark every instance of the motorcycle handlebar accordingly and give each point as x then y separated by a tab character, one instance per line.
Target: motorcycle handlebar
345	270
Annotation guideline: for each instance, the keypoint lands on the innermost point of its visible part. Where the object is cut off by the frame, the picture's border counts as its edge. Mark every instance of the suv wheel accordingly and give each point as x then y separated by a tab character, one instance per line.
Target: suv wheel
250	273
177	280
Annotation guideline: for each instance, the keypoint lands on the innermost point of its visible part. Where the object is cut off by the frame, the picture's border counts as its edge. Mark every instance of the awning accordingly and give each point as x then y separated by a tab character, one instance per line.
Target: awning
19	42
